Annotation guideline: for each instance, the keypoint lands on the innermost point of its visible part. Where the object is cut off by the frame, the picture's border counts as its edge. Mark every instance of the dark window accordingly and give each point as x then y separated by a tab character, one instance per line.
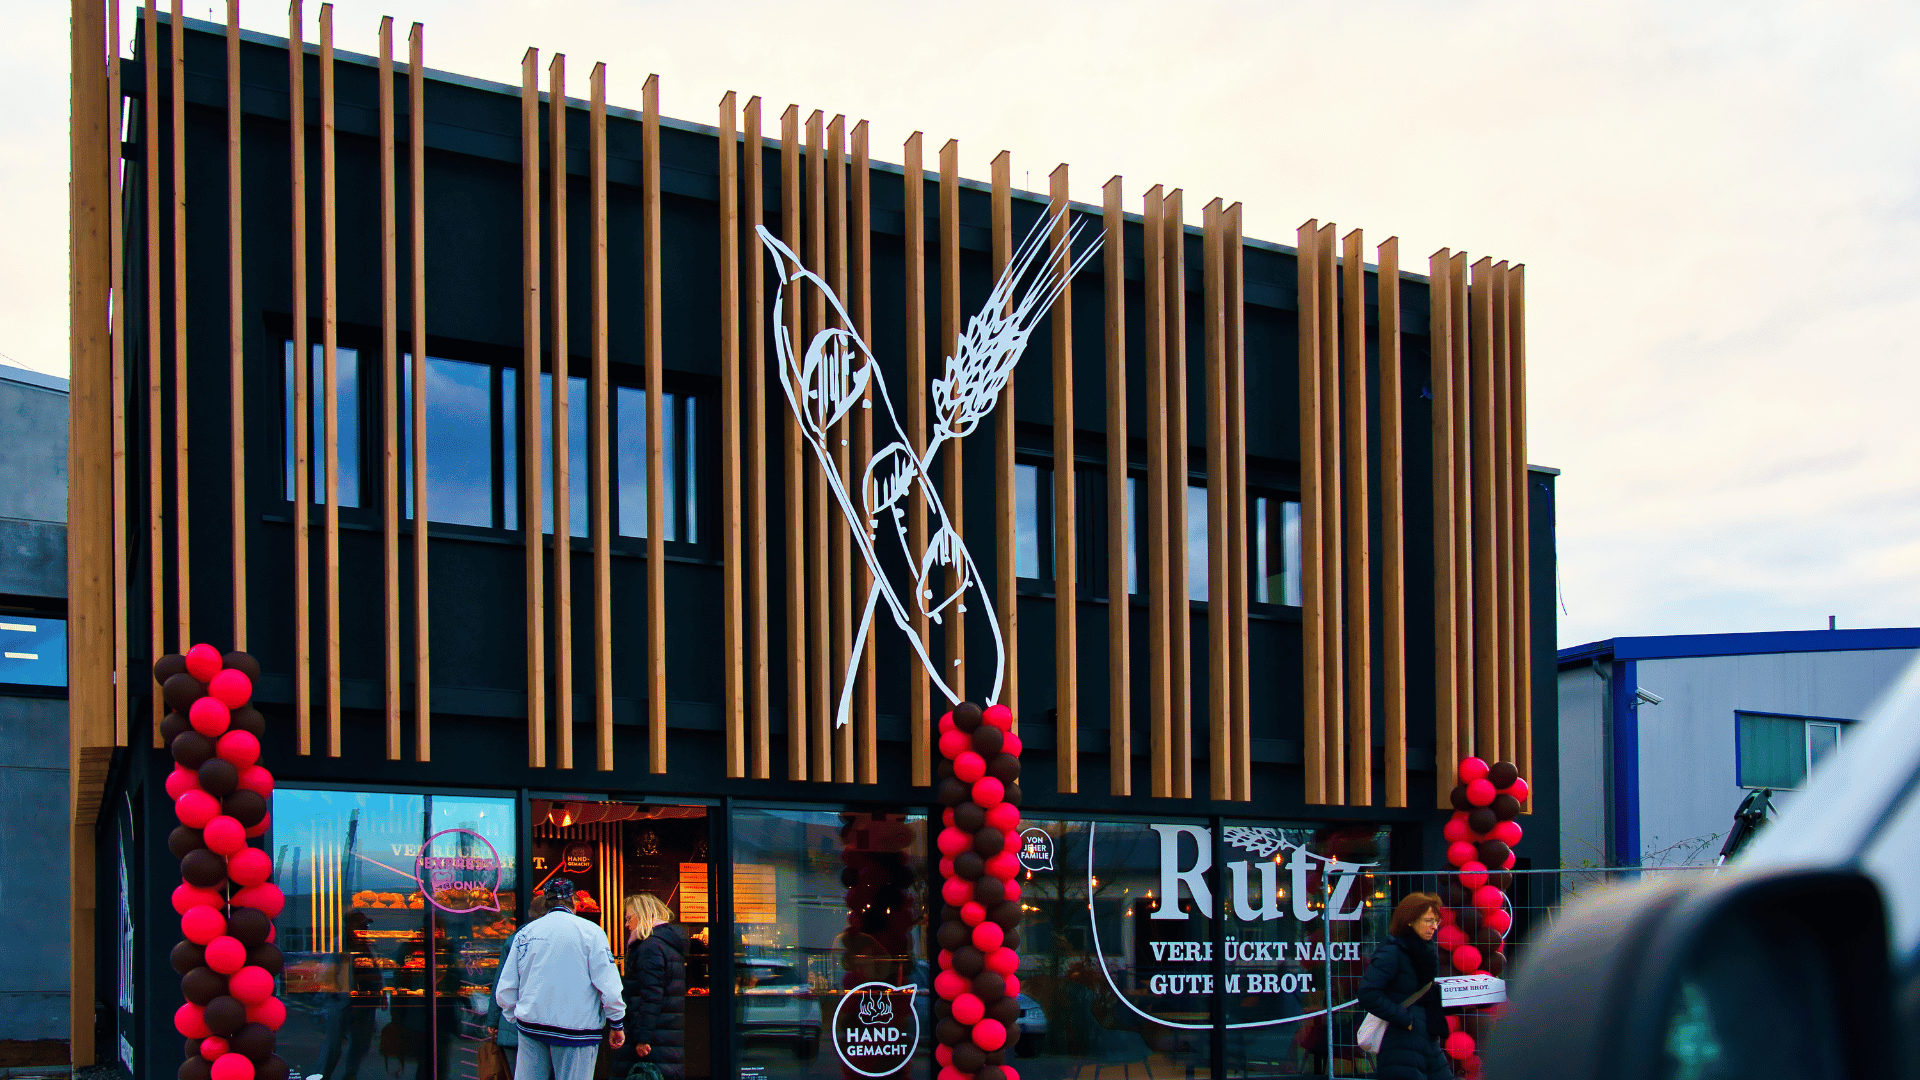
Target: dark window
347	416
1780	751
1276	551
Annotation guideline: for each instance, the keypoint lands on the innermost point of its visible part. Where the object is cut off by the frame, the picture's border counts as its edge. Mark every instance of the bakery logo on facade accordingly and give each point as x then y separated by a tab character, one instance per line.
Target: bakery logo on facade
1036	850
459	871
577	858
875	1030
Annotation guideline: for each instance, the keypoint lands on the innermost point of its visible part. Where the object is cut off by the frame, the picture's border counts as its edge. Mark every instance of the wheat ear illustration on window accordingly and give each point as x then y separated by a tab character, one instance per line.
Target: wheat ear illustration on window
837	373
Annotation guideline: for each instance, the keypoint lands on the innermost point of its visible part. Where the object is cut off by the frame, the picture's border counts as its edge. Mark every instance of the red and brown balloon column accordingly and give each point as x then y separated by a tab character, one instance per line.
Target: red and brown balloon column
976	1005
227	959
1480	839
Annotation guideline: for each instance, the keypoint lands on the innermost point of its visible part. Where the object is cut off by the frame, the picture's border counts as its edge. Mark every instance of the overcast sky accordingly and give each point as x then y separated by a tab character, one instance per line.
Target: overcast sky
1718	204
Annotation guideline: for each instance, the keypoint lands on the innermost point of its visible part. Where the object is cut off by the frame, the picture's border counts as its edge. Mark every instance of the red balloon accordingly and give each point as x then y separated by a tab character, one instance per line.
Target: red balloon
943	1054
968	1009
209	717
258	780
1459	1046
265	898
203	662
249	866
187	897
973	913
1013	838
1480	792
989	792
1005	866
212	1047
951	1073
953	743
271	1012
1005	817
1453	1023
202	924
233	1067
260	829
1456	830
252	985
987	936
1488	898
1466	959
1461	853
1450	937
989	1035
957	891
1446	916
1011	744
191	1020
1013	986
945	959
195	808
946	817
969	766
1473	875
946	722
999	716
1003	961
950	984
1497	921
225	836
1507	832
1012	1073
181	780
226	955
946	866
1511	859
1013	889
238	747
231	688
1518	789
952	841
1472	769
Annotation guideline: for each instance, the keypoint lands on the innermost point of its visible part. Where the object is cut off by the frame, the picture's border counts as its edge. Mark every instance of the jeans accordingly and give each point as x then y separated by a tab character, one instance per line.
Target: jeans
538	1061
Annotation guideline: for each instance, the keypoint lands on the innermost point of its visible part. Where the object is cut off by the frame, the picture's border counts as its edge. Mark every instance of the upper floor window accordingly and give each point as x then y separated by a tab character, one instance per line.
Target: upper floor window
346	381
1780	751
1276	551
33	650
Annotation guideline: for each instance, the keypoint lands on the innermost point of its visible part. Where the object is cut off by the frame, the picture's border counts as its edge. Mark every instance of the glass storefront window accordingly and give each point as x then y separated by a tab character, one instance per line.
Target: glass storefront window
397	908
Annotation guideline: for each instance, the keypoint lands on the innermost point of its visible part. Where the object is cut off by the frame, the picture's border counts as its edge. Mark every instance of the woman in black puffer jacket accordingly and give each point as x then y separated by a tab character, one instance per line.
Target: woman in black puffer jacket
656	986
1403	964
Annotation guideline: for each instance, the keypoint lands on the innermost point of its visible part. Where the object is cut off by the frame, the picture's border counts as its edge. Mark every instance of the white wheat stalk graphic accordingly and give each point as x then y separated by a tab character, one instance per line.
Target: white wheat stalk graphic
831	377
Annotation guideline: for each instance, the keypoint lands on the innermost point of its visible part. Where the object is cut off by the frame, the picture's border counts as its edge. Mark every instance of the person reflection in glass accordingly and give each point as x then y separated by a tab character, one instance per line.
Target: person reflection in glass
351	1027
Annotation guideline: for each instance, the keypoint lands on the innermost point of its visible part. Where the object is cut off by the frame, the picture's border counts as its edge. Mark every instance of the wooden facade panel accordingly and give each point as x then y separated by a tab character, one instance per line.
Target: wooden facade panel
1066	578
1448	747
1006	595
1119	595
914	245
560	416
760	526
329	375
953	489
1463	565
390	395
1313	507
1393	501
1234	282
1179	606
1486	621
839	577
733	707
302	407
1522	526
177	290
1358	556
599	421
794	489
530	449
1326	268
860	266
653	346
417	311
821	674
1154	571
1220	745
115	292
236	335
1503	516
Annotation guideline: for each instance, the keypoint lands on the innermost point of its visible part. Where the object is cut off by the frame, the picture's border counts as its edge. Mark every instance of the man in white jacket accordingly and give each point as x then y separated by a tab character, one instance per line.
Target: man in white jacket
559	986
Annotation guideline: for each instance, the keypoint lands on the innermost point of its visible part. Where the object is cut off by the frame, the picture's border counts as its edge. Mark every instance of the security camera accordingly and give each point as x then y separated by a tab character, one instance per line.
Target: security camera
1646	696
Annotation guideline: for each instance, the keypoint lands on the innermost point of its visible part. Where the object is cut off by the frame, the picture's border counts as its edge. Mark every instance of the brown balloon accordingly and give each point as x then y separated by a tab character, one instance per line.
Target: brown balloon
968	961
1502	881
1494	963
942	1008
183	840
1459	798
966	717
202	985
954	934
249	925
274	1069
990	1072
1004	768
989	986
191	749
969	866
952	792
248	719
1493	853
989	891
969	816
1006	913
182	690
198	1068
1481	820
255	1040
174	725
203	868
186	956
244	663
1503	774
266	955
1006	1010
1505	807
967	1057
168	666
1012	794
998	1057
1011	939
950	1032
989	842
245	806
943	768
225	1015
218	777
987	740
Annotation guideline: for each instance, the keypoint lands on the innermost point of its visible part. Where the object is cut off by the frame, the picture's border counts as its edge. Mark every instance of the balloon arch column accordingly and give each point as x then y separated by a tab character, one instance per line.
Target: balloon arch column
1481	836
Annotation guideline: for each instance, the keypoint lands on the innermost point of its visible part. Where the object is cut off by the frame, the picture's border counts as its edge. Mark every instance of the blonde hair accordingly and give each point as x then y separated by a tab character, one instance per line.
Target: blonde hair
650	910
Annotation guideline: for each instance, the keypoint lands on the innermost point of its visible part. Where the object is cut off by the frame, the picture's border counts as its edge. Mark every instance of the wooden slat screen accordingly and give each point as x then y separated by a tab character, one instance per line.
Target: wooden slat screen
560	414
1066	577
1463	565
1393	568
1154	571
733	660
914	243
1006	598
1220	745
599	421
1522	525
1448	745
236	342
530	448
653	345
952	491
330	374
1179	608
1313	503
1358	556
1238	624
390	397
839	577
760	526
177	131
114	290
1120	541
795	487
302	409
818	644
417	257
1486	621
1326	268
860	262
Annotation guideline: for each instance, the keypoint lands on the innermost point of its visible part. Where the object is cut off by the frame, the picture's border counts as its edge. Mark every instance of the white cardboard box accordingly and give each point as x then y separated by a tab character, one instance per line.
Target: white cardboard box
1471	990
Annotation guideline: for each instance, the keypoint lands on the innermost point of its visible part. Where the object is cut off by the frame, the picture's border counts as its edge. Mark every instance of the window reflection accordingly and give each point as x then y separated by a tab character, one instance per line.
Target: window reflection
346	380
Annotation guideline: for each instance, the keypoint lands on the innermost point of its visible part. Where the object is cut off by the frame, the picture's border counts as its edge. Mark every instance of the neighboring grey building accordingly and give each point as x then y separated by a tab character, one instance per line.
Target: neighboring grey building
1662	737
33	699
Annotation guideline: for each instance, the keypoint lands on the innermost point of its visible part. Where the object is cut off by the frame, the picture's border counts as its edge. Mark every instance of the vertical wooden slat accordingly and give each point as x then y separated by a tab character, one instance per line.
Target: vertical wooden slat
1006	599
1393	569
236	326
1522	526
914	242
1066	582
599	410
860	264
116	282
1326	265
656	477
1179	573
302	407
1486	625
330	370
1120	539
1153	557
840	536
417	311
530	448
1446	655
1234	268
1503	518
1359	556
820	674
1313	590
759	761
733	663
1221	749
389	402
182	564
796	570
953	493
561	423
1462	426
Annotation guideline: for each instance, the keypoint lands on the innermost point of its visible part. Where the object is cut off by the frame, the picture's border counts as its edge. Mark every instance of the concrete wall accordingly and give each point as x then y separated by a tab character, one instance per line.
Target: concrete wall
1585	740
1688	779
